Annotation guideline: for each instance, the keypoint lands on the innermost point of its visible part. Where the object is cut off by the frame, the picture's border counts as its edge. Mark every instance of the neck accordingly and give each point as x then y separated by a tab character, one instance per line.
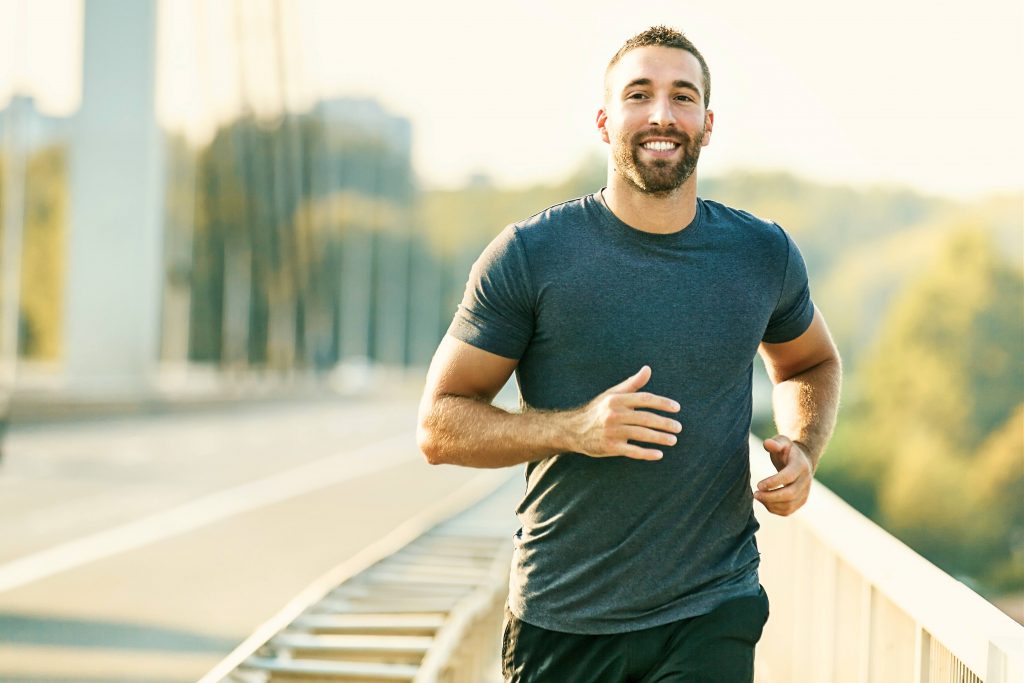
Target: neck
662	214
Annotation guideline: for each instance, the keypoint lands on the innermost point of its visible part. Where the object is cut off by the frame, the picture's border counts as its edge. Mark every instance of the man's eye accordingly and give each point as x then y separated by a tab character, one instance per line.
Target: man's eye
684	98
636	96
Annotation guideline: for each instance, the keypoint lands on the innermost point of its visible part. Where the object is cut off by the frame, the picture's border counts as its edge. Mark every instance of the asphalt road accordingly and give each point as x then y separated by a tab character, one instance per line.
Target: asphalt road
146	548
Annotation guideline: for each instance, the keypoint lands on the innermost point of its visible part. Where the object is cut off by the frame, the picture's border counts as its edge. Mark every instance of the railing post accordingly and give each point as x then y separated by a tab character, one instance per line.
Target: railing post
923	646
865	630
1005	661
996	665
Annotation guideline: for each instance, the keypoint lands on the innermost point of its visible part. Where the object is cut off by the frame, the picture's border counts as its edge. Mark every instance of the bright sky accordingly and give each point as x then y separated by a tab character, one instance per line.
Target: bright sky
919	92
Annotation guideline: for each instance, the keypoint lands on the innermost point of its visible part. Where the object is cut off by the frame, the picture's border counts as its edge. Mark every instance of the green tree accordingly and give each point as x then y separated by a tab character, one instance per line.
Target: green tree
996	505
949	360
946	374
42	256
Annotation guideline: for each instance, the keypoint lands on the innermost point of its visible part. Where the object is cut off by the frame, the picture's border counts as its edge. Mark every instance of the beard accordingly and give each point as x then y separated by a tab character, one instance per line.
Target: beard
658	176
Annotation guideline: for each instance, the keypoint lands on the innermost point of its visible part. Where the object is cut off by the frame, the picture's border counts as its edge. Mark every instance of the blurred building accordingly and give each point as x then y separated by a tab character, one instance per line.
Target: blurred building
341	115
284	242
36	129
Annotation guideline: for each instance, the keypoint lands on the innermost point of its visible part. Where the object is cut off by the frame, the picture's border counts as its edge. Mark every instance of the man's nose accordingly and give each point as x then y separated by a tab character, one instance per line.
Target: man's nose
661	113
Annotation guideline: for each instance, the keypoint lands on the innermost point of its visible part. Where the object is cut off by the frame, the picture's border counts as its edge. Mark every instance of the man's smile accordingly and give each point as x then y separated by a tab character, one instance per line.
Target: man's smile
661	147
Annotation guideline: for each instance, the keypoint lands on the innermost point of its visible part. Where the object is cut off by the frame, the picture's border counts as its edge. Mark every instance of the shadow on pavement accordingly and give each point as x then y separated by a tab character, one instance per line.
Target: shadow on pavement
64	679
84	633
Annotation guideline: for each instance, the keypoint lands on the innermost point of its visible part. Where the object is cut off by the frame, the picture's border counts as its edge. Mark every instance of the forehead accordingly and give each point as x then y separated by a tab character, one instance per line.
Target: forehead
658	64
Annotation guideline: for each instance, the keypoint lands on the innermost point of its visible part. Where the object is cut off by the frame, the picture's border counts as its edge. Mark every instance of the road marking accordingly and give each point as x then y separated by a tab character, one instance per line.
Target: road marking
319	474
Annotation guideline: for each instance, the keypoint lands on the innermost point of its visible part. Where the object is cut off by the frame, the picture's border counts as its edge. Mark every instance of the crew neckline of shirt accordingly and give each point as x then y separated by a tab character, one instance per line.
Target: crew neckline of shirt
624	228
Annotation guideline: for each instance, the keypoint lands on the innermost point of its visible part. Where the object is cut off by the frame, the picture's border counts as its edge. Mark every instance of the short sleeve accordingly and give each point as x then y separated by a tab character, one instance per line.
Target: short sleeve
496	313
795	310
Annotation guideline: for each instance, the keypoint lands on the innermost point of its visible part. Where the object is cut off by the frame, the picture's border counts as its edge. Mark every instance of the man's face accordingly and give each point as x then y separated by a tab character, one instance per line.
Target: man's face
654	117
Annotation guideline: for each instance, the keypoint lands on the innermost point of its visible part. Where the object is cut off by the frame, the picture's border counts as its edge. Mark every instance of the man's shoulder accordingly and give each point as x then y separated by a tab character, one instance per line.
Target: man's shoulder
746	227
729	215
545	231
562	215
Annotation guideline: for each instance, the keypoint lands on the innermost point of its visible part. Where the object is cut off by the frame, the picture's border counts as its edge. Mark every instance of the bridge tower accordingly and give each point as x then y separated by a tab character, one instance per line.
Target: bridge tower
112	300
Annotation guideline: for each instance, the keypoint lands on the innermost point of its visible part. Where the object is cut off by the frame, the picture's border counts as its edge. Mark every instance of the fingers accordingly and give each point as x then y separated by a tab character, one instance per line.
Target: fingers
617	419
649	436
786	476
636	399
645	399
625	443
634	383
643	418
641	453
786	500
778	481
778	448
786	492
778	444
646	427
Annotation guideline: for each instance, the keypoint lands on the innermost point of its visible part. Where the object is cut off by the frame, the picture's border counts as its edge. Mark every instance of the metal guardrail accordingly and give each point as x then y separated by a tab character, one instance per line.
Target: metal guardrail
422	606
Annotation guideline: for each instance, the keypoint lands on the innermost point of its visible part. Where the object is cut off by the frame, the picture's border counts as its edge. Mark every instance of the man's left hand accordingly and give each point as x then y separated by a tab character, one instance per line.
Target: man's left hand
786	492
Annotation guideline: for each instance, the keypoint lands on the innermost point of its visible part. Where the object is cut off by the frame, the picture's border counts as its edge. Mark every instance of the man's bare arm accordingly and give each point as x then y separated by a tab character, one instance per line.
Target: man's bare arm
807	374
459	426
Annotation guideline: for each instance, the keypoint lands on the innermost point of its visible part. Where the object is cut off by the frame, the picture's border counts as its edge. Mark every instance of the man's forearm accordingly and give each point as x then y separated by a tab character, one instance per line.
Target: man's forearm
806	405
464	431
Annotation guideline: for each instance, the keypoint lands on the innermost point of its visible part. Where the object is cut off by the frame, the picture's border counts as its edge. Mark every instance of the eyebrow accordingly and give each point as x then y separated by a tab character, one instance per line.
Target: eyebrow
675	84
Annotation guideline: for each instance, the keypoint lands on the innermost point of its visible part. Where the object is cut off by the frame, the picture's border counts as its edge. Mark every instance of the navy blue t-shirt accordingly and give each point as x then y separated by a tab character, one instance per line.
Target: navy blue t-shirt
583	301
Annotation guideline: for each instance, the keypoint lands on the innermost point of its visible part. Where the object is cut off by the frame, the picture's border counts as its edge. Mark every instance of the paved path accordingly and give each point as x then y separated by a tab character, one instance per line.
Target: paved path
146	548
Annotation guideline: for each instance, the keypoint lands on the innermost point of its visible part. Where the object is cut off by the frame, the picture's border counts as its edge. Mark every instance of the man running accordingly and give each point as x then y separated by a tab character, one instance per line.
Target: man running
631	318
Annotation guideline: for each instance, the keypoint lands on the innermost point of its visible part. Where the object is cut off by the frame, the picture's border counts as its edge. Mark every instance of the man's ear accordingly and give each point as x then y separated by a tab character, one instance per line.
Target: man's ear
602	120
709	123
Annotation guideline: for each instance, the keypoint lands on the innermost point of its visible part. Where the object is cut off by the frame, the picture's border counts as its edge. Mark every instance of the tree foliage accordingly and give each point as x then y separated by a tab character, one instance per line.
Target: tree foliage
43	252
930	443
949	361
996	505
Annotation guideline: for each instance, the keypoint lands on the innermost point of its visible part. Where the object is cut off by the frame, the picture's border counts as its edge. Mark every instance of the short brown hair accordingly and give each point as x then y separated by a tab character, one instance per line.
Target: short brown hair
663	36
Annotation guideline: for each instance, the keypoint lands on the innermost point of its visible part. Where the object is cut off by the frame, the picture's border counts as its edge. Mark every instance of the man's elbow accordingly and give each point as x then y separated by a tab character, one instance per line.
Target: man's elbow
837	361
831	366
827	360
834	362
429	444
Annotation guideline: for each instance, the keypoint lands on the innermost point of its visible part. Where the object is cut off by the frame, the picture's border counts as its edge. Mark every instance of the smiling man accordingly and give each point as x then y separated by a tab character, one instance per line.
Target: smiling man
631	318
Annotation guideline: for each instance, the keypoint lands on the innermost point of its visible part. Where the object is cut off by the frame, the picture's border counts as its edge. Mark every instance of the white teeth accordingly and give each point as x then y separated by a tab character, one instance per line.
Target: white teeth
659	145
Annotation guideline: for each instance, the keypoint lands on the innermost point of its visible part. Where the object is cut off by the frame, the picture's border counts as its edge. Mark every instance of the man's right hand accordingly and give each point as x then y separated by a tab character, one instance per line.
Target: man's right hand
606	426
459	426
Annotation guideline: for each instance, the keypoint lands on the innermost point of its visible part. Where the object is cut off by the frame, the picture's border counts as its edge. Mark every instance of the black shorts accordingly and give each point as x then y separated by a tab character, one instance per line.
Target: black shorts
716	647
